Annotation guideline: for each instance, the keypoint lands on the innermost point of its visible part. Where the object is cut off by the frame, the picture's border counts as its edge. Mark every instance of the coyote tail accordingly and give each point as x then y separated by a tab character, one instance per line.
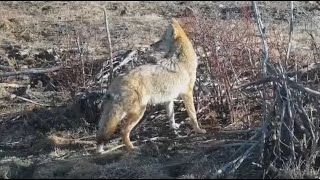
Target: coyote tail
111	116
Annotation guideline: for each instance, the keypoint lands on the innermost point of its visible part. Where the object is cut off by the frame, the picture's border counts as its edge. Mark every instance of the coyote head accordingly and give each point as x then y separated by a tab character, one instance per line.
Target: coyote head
168	39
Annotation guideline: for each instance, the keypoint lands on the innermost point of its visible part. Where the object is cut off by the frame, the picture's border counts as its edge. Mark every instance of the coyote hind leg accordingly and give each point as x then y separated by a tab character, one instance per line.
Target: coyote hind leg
132	120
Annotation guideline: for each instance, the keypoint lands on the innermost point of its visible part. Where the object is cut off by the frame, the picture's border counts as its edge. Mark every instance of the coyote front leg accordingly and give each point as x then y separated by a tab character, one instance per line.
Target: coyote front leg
188	102
170	114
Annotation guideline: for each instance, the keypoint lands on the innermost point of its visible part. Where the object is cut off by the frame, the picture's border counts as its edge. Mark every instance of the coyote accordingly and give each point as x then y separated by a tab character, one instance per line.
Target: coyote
151	84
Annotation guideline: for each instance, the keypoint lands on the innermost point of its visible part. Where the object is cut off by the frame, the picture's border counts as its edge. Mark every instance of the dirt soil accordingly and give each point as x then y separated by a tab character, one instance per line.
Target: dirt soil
55	142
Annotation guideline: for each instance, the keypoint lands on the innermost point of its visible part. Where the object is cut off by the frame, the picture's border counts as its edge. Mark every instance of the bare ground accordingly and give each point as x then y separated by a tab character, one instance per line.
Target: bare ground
55	142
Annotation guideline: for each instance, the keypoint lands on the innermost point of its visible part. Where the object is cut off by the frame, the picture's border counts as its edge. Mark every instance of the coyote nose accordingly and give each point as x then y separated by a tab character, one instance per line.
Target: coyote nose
155	44
152	45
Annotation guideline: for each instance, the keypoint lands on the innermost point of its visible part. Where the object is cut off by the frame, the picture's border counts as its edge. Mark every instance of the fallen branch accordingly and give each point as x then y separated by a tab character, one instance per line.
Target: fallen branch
12	96
30	71
304	89
115	148
65	141
245	144
6	68
258	82
311	67
12	85
225	144
125	61
233	165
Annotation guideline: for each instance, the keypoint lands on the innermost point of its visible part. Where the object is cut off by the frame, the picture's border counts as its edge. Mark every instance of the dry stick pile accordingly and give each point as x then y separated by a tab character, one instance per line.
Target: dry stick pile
290	134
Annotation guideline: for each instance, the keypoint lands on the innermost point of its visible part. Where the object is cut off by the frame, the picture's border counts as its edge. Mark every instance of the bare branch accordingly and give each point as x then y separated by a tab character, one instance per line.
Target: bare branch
109	42
290	33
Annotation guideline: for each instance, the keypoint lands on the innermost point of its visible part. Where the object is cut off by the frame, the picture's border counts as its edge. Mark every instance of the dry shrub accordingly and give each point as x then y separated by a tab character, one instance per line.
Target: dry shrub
72	77
78	68
230	54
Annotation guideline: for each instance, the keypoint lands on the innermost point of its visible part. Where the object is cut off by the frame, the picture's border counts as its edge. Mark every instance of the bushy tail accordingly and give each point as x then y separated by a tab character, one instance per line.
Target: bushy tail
109	120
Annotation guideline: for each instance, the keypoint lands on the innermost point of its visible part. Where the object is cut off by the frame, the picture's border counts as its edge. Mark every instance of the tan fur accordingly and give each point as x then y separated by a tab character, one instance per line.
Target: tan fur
129	94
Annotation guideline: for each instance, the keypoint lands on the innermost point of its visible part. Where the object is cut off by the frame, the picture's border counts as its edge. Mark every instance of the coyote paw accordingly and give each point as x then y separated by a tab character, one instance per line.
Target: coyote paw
201	131
133	149
174	126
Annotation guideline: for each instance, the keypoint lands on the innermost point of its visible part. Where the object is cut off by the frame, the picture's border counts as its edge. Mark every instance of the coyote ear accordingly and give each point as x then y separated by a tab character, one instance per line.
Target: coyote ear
173	32
174	21
175	27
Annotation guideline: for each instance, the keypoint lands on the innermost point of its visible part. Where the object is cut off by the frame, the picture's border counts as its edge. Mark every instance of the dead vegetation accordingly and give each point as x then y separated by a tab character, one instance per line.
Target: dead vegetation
256	92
